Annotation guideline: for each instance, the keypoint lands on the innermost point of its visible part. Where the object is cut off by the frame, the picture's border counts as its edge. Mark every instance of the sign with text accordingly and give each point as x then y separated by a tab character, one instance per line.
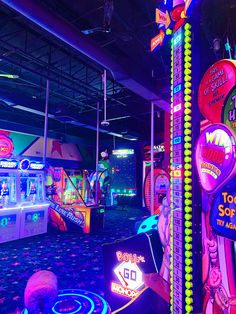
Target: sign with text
6	146
215	156
125	262
214	88
223	212
162	18
157	40
229	110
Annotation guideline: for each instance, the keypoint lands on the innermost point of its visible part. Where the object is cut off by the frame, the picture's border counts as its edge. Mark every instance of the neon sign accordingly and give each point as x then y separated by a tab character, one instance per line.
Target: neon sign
6	146
122	152
116	288
128	273
129	257
36	166
8	164
229	110
215	156
214	87
157	40
24	164
130	278
223	212
162	18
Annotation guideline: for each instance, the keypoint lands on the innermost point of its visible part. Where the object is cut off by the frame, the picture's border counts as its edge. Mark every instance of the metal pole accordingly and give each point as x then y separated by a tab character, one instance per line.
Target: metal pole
97	154
105	94
152	158
46	124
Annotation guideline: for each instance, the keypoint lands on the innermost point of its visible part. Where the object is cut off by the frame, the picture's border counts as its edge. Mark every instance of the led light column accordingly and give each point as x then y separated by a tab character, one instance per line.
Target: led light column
181	172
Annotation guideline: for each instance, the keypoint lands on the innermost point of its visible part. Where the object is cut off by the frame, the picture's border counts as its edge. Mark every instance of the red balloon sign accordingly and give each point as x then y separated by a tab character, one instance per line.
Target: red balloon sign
6	146
214	87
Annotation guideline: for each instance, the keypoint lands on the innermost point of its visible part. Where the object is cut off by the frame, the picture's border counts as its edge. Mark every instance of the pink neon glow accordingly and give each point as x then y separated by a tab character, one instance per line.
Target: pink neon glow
215	156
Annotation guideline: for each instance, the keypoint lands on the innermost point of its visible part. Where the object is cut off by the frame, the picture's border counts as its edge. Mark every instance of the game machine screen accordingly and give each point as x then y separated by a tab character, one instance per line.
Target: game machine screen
68	210
123	176
9	211
32	198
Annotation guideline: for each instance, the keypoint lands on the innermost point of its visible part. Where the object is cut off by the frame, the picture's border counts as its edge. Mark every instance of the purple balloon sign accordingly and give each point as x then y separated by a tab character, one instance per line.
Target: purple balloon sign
215	156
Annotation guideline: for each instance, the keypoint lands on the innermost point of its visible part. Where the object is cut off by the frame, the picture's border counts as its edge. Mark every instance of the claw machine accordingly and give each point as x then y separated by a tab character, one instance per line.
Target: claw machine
34	207
10	211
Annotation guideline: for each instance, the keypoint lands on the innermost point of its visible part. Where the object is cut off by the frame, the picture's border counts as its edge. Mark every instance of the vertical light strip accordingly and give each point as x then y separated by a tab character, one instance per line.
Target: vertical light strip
177	173
171	181
188	155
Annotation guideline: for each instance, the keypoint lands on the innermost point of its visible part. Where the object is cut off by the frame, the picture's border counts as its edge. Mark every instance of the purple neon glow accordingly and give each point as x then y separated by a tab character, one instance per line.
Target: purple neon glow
215	157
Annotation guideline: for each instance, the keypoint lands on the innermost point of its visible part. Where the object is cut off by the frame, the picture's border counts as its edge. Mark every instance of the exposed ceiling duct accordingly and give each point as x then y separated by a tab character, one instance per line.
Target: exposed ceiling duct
132	79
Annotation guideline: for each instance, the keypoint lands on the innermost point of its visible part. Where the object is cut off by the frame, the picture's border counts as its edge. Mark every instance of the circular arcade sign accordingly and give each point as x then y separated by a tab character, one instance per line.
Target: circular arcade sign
215	157
6	146
214	88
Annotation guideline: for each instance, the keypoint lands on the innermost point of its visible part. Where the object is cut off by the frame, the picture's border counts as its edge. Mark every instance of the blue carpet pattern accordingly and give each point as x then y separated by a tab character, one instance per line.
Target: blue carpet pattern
76	259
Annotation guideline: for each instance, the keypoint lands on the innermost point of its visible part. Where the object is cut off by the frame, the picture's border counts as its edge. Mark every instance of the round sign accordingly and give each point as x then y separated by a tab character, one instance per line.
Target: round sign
24	164
229	110
215	156
214	88
223	211
6	146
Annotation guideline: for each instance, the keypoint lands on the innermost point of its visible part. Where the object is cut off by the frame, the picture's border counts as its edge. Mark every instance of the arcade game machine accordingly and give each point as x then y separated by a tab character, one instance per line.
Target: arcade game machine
68	211
10	212
123	164
107	196
161	186
24	211
161	179
34	207
82	184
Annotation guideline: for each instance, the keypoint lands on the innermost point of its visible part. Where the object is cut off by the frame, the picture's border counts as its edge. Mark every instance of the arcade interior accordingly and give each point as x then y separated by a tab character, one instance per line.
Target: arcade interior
118	157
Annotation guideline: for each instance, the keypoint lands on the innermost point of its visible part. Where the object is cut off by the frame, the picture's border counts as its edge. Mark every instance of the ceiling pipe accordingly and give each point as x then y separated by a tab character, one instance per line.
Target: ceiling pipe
60	28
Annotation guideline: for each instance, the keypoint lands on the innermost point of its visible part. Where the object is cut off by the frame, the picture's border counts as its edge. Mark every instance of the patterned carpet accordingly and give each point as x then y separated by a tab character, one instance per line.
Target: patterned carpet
76	259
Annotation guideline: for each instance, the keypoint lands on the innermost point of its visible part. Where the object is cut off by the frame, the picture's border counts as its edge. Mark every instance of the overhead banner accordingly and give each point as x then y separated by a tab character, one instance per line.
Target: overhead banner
13	144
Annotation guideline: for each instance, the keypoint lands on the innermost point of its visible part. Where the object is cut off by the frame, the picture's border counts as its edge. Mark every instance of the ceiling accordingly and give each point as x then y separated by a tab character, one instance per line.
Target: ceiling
118	40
